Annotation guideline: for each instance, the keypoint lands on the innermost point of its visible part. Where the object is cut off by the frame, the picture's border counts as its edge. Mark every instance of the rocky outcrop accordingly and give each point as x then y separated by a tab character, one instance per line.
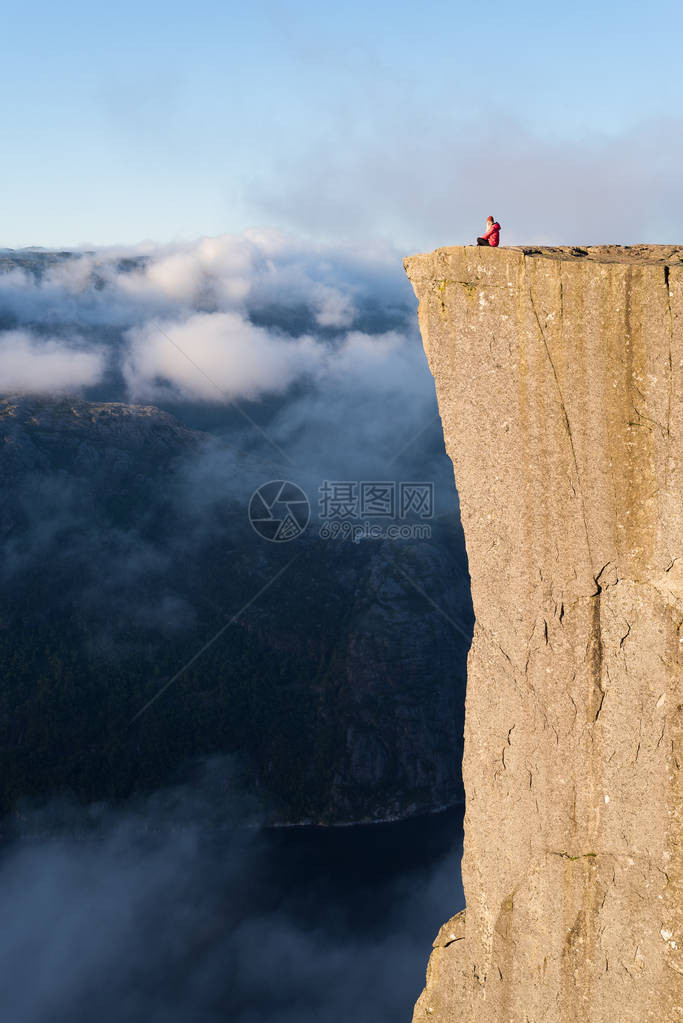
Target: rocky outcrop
558	374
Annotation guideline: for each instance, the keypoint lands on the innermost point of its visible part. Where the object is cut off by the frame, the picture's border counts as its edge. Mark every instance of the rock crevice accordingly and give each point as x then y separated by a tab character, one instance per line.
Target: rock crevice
559	381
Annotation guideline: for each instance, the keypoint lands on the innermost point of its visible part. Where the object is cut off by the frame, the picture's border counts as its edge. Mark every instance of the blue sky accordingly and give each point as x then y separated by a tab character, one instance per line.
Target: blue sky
401	121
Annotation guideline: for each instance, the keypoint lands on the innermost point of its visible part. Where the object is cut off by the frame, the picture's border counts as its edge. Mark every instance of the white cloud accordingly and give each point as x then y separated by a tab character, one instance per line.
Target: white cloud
30	364
210	355
219	270
376	360
332	307
239	315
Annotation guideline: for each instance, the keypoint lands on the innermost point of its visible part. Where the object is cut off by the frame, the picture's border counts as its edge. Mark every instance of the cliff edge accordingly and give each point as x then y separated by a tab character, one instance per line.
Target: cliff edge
559	380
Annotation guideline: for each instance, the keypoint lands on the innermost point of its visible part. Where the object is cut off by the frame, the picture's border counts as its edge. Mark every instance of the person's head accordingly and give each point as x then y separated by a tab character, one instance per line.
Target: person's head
490	220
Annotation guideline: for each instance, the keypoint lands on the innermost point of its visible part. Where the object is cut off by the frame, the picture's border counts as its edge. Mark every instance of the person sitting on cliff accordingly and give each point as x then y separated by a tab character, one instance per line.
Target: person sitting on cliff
492	234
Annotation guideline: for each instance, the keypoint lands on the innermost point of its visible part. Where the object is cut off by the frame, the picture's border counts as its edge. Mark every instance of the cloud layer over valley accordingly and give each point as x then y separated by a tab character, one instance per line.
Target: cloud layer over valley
318	343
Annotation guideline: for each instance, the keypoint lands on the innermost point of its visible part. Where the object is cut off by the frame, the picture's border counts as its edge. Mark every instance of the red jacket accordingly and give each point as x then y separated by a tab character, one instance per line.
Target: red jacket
493	234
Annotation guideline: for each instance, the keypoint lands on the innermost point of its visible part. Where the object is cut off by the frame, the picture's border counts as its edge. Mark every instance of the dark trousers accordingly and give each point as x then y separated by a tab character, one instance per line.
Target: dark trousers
483	241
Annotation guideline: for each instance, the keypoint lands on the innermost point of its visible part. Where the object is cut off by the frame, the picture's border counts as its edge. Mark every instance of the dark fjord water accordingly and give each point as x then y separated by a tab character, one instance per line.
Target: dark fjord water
189	925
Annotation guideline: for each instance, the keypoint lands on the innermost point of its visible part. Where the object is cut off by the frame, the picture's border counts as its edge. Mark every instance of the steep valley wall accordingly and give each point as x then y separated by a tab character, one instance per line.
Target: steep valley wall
559	381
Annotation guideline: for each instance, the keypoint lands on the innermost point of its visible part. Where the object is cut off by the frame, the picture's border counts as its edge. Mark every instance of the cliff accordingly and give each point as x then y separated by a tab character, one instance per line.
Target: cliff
558	375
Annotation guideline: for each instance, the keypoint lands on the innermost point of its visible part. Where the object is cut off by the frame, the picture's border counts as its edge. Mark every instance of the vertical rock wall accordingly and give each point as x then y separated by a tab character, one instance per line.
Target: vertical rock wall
559	380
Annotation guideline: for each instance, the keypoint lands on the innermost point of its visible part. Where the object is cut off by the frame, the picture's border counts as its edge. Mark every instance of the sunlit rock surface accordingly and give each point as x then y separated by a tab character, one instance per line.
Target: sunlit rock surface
558	373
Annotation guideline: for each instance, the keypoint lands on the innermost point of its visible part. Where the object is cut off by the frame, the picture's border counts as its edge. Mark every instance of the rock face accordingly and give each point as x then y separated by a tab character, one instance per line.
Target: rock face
558	374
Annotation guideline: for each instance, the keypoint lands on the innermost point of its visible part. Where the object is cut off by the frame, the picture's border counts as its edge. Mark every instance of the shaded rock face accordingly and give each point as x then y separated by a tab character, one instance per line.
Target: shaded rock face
558	374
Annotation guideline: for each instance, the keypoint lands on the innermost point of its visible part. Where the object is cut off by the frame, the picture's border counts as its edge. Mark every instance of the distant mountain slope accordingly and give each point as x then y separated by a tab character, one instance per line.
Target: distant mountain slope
126	546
